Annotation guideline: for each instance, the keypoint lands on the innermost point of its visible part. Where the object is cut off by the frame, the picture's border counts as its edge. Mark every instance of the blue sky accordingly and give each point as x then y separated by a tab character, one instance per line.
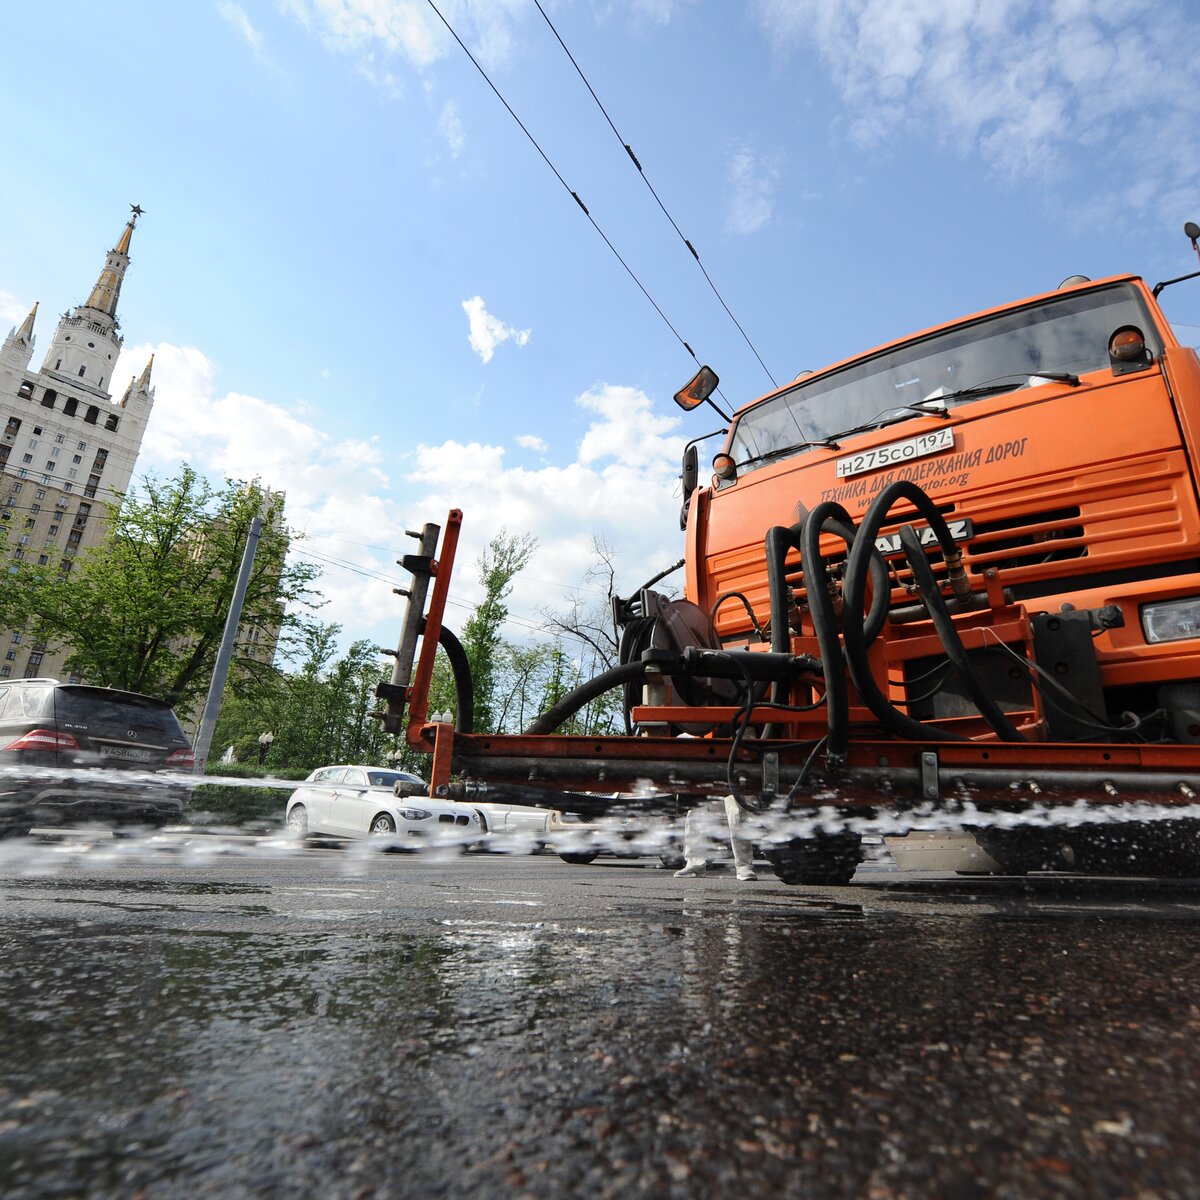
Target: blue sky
364	285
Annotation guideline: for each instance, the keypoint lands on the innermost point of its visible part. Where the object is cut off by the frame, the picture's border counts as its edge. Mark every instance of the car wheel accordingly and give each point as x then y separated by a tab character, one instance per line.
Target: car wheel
297	822
578	858
383	824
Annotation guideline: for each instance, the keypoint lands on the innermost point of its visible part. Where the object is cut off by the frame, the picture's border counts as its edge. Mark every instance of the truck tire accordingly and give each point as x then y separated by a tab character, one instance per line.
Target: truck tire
823	859
1024	849
578	858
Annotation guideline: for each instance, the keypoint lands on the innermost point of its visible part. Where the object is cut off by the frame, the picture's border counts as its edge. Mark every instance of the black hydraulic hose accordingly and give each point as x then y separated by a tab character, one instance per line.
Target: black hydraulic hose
572	702
464	688
854	586
956	652
778	541
833	664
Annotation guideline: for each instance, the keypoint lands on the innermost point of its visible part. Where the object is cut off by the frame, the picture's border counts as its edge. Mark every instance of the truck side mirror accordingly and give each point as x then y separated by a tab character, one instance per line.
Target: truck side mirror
697	389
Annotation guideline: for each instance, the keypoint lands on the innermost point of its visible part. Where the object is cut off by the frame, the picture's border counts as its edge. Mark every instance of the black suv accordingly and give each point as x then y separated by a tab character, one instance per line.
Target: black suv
69	752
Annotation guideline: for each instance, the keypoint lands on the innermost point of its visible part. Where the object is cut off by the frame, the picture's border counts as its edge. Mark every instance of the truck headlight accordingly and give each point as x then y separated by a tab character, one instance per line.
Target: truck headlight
1171	620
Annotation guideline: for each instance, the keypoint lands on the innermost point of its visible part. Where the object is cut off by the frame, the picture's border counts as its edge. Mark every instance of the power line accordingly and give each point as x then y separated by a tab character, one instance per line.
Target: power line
567	187
633	158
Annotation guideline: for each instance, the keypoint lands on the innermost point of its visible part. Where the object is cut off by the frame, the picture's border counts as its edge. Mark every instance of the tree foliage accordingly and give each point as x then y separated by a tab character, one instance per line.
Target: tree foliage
145	609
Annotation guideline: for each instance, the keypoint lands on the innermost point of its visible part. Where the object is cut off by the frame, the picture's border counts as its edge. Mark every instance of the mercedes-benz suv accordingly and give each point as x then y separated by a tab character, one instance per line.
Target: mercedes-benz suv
74	753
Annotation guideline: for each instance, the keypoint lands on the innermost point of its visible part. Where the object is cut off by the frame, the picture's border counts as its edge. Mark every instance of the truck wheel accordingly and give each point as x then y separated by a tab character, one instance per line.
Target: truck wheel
1019	851
578	858
825	858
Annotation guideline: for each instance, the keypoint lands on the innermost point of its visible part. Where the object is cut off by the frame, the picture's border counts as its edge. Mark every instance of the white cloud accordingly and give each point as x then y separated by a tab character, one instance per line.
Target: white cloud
1026	86
530	441
486	332
622	486
451	128
410	28
12	310
236	16
342	494
752	181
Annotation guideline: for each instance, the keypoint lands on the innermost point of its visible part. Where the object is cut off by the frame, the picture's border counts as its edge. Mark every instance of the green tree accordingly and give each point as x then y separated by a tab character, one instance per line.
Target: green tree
503	559
146	608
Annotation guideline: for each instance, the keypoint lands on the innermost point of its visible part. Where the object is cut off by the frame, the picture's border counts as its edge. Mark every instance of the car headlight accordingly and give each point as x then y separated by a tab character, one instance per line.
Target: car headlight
1171	620
415	814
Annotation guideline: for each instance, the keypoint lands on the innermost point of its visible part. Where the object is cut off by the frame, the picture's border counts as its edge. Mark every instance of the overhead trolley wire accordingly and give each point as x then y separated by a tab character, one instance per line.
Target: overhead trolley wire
573	194
646	179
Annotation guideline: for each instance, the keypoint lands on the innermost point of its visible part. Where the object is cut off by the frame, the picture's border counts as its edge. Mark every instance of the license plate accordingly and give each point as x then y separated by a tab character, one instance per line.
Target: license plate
933	442
128	753
960	531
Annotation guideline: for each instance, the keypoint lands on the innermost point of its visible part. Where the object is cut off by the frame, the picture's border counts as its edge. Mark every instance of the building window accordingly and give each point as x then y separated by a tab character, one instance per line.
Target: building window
53	451
48	398
23	472
71	405
35	508
16	487
71	472
5	671
60	438
68	487
43	559
28	522
57	363
35	660
10	655
18	554
16	639
92	413
33	443
25	391
77	459
52	531
83	445
27	458
49	464
101	458
111	422
81	371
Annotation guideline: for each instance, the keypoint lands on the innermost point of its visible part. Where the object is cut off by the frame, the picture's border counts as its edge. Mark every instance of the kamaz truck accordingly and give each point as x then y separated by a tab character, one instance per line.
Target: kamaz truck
957	576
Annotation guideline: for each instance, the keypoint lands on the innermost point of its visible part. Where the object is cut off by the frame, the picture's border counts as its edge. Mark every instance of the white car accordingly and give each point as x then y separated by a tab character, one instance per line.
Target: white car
580	842
357	801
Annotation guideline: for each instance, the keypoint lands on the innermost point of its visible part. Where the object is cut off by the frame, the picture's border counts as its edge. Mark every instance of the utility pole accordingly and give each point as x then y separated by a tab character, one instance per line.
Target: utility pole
212	705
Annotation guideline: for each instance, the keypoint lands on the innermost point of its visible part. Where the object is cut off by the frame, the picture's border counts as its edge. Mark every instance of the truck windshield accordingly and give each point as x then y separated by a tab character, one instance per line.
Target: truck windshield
997	353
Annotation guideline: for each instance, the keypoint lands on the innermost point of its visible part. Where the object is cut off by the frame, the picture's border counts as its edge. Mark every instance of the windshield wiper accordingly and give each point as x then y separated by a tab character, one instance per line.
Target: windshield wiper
898	412
822	444
994	387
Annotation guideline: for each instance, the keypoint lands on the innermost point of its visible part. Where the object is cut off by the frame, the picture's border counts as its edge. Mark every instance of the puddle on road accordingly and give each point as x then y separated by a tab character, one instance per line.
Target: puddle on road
138	1058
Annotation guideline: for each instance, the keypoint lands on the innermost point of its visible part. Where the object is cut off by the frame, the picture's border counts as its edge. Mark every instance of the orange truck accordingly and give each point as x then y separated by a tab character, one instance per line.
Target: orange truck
957	575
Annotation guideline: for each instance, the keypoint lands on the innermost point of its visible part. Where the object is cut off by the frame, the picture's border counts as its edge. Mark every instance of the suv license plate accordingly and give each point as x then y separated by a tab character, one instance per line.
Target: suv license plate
128	753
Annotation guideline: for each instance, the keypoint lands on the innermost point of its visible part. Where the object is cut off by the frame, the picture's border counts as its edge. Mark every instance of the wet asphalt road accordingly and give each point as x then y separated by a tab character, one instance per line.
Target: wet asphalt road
325	1025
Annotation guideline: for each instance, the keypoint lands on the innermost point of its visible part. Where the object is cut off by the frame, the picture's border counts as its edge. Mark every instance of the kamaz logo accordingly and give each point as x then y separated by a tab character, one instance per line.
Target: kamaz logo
960	531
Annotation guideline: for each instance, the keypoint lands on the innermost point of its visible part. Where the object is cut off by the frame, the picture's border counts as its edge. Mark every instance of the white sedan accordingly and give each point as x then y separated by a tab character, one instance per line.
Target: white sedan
356	801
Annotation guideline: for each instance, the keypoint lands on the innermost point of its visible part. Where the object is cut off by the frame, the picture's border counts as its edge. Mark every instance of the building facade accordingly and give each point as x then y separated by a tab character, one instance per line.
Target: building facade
66	445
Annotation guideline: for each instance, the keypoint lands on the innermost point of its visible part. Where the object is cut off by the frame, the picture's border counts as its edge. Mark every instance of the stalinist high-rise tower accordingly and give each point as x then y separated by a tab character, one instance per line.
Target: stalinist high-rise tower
66	446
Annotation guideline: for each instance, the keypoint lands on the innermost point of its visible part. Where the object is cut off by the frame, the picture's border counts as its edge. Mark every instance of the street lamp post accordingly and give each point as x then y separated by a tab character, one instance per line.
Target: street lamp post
264	745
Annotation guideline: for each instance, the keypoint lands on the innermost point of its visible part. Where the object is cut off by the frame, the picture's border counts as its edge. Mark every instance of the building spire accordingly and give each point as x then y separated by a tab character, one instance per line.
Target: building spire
108	287
25	333
144	382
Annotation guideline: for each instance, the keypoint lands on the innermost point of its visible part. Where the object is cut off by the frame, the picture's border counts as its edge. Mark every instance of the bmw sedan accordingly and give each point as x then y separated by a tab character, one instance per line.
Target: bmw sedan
356	801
